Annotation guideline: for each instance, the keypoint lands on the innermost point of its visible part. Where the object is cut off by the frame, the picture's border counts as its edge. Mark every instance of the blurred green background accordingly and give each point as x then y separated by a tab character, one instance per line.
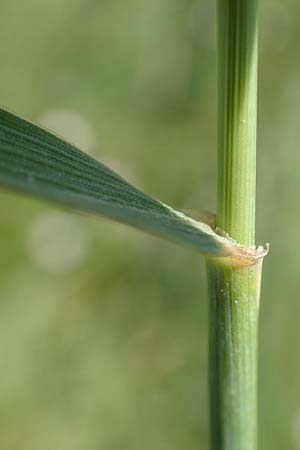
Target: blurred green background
103	331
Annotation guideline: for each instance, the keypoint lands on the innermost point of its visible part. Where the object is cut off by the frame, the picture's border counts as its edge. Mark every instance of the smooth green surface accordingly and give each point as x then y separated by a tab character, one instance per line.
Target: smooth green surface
233	321
37	162
237	91
111	353
234	292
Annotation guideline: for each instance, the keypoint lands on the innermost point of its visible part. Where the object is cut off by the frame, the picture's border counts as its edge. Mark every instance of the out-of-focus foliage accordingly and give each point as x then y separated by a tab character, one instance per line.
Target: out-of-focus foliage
103	331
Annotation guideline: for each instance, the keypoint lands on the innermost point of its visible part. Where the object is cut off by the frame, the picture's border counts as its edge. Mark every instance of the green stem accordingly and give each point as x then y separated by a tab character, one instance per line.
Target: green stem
237	93
234	290
233	321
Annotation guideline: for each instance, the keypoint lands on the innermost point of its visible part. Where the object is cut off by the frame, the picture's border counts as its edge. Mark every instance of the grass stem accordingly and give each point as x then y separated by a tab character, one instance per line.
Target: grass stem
233	290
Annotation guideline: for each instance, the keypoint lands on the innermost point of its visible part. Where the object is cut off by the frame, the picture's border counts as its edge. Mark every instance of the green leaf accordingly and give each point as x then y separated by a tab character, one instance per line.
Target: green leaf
35	161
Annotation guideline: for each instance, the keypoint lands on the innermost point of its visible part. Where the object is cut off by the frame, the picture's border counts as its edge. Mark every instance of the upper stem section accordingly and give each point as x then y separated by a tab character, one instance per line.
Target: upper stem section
237	110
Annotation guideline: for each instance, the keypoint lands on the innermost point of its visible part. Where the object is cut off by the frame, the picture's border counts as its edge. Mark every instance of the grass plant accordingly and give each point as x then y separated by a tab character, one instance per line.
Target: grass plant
37	162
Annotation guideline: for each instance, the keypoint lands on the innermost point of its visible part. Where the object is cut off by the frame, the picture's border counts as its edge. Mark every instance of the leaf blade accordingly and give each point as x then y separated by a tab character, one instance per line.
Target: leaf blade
37	162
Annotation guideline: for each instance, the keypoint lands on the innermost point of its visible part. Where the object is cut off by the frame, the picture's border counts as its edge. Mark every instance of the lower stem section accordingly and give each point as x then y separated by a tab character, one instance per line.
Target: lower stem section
234	309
